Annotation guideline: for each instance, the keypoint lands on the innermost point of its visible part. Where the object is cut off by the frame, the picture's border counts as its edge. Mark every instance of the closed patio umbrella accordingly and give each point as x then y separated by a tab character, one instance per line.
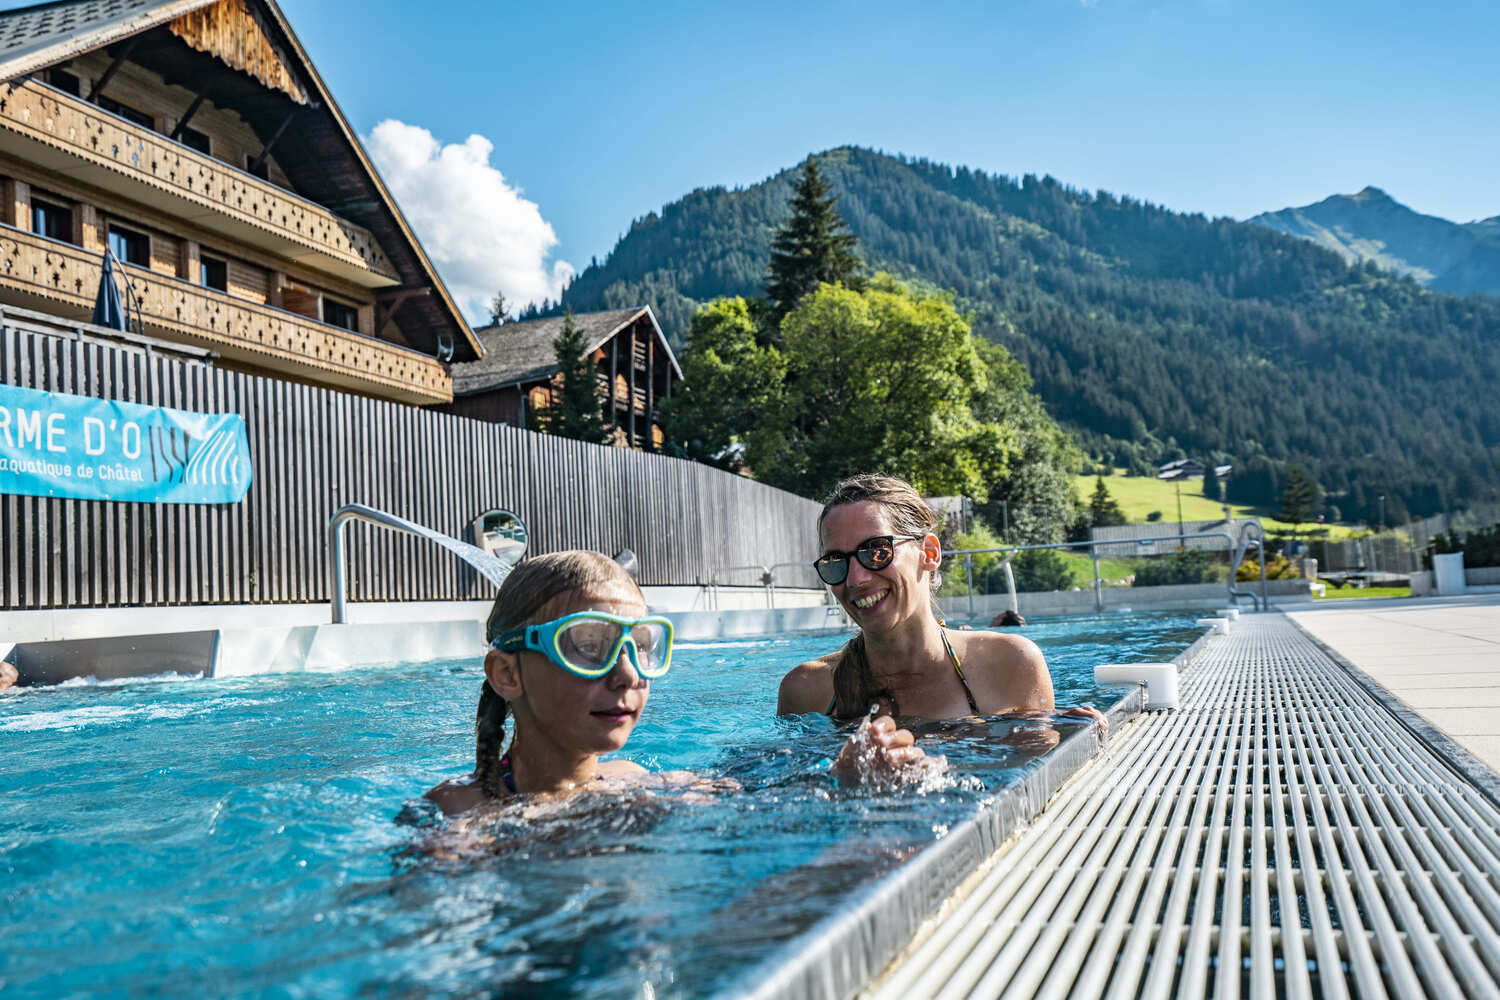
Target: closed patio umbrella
109	307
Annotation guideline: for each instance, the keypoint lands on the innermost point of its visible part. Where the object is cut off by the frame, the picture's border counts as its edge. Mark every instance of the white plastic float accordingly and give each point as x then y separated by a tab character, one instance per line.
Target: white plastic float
1160	680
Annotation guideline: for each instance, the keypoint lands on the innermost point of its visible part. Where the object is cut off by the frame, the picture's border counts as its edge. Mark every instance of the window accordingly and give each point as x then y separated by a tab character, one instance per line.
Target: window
263	170
195	139
64	81
51	219
213	272
338	314
130	246
126	112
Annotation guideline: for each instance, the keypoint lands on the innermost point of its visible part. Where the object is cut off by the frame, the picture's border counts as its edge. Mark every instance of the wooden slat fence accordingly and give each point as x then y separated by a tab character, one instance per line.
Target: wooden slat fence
316	449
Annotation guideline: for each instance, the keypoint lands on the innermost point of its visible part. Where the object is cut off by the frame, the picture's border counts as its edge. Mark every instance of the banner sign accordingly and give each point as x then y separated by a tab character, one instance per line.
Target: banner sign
53	444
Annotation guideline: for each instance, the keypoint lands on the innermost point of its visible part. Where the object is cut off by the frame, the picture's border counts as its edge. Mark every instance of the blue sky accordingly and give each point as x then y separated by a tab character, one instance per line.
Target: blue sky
599	113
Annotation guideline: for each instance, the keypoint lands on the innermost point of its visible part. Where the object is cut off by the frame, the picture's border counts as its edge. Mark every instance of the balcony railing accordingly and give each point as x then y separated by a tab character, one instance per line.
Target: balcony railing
64	122
245	331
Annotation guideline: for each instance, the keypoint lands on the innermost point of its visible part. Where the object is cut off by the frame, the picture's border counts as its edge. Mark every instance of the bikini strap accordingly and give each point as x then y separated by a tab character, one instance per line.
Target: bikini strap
506	777
958	668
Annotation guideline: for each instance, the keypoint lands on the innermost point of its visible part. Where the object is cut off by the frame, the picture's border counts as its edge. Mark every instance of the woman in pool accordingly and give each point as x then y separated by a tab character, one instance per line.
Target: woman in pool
881	558
572	655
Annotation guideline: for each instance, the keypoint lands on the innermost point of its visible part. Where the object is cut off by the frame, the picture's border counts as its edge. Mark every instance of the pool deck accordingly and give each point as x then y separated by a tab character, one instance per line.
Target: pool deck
1440	657
1291	830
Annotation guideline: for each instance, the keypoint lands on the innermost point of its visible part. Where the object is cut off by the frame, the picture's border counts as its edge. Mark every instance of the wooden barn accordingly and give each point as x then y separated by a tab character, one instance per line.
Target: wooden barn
635	370
198	144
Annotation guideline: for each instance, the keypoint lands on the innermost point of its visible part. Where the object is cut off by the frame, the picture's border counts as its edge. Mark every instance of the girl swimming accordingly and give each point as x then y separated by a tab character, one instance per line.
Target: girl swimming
572	656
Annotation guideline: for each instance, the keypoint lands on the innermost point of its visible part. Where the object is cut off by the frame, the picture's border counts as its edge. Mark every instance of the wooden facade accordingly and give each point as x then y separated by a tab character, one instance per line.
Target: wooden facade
201	145
635	370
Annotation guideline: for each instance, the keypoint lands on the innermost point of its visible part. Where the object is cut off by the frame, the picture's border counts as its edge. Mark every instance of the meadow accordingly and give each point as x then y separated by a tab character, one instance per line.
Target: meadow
1139	496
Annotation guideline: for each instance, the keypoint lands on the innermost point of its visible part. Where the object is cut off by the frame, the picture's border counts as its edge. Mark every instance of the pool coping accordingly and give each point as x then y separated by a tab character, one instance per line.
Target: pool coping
843	952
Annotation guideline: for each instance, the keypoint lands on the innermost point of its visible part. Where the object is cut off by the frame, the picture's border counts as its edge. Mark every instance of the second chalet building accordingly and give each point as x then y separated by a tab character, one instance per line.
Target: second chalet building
197	142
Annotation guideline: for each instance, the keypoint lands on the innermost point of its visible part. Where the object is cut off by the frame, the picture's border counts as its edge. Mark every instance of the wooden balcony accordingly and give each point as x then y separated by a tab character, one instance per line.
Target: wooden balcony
55	130
60	278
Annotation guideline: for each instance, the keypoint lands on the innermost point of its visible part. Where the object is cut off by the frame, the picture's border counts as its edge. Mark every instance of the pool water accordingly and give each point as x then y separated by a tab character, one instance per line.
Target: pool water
238	836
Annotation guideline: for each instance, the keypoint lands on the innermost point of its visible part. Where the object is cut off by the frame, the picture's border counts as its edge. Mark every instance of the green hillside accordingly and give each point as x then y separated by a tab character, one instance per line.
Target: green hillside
1141	496
1152	334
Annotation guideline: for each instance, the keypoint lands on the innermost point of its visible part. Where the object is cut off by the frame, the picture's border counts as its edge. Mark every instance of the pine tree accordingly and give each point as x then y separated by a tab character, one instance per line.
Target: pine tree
1104	510
499	310
577	413
813	245
1295	504
1211	487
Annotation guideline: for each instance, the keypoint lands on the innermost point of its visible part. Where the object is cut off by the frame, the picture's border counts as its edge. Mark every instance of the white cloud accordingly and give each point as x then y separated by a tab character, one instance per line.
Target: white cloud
480	233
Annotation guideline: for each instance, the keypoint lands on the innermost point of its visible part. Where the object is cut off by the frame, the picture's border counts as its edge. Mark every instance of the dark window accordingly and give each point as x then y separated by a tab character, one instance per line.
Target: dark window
261	169
51	220
338	314
197	140
130	246
126	112
65	81
213	273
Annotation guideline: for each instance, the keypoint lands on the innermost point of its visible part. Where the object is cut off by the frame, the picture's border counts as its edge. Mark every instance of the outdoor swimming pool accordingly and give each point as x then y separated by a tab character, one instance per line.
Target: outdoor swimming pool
237	836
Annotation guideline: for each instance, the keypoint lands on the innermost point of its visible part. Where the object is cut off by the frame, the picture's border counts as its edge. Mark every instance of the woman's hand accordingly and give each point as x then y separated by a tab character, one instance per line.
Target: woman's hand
1089	711
878	751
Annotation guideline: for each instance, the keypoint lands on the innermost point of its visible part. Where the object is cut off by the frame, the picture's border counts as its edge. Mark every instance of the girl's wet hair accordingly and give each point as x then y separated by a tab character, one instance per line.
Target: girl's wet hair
853	681
529	588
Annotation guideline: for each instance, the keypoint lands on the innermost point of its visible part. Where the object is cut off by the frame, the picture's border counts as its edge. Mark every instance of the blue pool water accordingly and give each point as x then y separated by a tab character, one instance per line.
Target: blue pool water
237	836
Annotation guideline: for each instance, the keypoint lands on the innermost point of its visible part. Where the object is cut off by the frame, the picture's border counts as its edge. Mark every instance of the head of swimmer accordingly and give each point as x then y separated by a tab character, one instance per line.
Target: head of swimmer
869	507
557	713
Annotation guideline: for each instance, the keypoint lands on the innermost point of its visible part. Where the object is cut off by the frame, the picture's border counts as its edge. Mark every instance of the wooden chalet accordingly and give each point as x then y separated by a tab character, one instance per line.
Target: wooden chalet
195	140
635	371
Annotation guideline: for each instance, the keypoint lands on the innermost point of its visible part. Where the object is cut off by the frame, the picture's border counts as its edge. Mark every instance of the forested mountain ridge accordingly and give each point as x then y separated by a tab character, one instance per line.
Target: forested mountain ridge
1146	330
1372	226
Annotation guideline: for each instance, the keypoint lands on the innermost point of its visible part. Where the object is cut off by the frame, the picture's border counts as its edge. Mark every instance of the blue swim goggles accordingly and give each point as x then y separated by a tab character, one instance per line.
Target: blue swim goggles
588	643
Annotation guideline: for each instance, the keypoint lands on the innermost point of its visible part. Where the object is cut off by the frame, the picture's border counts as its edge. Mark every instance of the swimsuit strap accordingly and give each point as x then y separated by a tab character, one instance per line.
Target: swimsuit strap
506	777
958	668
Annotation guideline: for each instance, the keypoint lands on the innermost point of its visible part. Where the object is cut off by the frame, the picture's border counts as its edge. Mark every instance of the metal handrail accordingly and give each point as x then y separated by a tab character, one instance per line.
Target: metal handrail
1094	553
765	580
490	567
1241	547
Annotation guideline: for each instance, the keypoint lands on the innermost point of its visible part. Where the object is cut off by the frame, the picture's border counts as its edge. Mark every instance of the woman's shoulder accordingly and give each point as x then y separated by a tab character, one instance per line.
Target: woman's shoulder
1009	665
458	795
807	687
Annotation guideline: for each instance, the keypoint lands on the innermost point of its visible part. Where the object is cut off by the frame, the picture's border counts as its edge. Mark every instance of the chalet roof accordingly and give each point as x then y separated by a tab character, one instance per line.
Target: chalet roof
522	352
322	156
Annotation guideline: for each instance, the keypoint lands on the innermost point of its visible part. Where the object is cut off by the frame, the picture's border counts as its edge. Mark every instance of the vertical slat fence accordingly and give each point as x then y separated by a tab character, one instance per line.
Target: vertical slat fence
315	449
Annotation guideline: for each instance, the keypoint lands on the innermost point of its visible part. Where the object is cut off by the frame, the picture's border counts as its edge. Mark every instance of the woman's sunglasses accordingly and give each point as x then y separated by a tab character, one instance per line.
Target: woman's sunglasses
588	643
872	553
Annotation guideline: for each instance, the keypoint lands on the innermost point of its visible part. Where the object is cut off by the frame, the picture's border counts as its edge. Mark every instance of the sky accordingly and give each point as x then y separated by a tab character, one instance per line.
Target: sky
530	135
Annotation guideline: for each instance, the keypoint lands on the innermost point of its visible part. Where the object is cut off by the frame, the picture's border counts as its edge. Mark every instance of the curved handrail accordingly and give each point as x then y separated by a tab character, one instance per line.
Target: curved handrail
491	568
1242	545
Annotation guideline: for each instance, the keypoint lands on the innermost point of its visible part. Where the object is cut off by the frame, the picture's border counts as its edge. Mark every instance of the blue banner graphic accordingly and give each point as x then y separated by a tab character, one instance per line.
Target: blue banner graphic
57	445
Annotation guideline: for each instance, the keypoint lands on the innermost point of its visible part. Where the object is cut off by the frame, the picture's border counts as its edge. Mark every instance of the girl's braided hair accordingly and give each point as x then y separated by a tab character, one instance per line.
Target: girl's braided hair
529	588
853	682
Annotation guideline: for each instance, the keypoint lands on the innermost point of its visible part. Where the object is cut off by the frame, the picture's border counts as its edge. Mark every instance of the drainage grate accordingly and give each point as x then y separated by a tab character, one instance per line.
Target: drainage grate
1279	835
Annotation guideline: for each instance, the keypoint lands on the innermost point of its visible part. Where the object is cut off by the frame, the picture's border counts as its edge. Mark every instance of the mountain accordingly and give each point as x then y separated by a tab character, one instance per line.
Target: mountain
1373	226
1152	334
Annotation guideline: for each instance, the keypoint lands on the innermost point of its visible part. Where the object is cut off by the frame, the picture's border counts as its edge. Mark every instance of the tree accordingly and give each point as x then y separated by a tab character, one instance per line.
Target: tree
731	384
1211	487
1297	500
499	310
812	246
1104	510
577	413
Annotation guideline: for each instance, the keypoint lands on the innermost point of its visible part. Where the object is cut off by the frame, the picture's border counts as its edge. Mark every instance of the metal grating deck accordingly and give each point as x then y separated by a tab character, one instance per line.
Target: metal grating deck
1279	835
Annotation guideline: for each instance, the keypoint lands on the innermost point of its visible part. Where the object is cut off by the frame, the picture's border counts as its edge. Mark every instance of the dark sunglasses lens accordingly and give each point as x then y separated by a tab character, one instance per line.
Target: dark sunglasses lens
832	569
876	553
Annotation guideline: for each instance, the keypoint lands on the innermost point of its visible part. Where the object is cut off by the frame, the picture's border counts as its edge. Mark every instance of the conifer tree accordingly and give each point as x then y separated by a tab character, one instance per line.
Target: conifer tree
813	245
1104	510
1295	504
1211	487
577	413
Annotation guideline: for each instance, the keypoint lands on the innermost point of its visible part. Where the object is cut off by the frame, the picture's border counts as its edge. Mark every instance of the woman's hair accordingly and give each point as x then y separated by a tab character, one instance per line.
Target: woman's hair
529	588
853	682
